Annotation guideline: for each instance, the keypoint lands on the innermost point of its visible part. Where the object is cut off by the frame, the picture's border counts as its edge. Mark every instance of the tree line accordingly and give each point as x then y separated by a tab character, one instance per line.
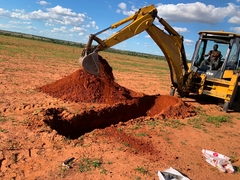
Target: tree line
81	45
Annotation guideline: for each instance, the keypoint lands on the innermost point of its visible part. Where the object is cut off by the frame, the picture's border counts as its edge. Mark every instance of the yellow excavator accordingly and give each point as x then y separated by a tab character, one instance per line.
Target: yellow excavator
220	80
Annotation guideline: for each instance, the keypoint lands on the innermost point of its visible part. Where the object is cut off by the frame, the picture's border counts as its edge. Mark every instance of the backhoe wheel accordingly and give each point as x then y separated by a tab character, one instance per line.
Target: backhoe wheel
229	104
234	94
182	93
172	91
225	106
237	94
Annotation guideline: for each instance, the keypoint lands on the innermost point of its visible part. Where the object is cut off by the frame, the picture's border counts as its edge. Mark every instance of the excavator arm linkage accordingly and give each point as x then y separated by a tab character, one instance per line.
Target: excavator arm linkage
169	41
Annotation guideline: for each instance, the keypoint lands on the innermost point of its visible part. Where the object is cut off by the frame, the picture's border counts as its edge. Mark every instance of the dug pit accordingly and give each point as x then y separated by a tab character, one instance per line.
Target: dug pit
123	104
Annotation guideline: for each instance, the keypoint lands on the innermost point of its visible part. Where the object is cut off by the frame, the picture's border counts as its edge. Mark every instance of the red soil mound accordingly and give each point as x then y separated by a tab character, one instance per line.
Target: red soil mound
81	86
170	107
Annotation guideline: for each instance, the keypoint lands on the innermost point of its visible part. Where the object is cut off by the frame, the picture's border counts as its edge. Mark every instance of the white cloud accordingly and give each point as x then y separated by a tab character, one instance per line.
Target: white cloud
122	6
40	16
5	13
19	10
31	27
61	29
195	12
77	29
188	42
58	15
48	24
189	12
235	19
235	29
81	31
43	3
26	22
15	22
93	24
180	29
19	22
118	11
8	26
62	11
123	9
55	15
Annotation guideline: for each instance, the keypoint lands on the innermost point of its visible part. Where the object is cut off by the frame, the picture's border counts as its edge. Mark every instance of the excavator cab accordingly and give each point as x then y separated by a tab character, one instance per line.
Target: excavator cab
228	45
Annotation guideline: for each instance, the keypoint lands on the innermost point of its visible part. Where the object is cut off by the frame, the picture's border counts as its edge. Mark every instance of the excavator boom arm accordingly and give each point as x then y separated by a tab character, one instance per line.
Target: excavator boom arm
172	46
141	20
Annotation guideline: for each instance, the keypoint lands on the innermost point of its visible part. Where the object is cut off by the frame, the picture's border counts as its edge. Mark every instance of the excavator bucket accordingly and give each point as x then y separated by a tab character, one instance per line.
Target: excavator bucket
90	63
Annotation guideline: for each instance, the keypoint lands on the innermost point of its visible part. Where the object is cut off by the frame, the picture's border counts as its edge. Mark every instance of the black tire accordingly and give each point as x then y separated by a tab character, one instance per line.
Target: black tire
172	91
225	106
234	94
182	93
237	97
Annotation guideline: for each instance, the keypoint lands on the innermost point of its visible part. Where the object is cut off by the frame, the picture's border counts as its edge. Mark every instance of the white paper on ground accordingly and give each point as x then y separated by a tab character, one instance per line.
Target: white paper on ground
173	172
218	160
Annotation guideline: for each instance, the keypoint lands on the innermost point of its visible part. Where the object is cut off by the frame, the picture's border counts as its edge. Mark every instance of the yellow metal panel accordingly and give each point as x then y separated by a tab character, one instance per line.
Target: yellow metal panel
221	88
228	74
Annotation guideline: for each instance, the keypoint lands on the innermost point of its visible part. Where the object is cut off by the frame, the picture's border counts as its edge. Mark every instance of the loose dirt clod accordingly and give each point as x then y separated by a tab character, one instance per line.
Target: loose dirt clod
125	104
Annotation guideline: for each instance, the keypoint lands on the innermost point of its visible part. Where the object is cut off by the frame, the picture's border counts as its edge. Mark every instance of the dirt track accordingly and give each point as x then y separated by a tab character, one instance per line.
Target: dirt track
132	135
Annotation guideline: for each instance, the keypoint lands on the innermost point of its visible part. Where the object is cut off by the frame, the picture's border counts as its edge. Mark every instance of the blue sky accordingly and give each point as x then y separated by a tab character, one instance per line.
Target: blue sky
75	20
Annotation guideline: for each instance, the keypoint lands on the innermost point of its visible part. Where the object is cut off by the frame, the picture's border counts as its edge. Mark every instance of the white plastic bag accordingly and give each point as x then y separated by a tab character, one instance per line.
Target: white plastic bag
171	174
220	161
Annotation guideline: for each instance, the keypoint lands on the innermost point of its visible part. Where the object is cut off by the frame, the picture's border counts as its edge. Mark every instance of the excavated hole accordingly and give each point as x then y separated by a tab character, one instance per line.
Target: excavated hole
90	120
73	126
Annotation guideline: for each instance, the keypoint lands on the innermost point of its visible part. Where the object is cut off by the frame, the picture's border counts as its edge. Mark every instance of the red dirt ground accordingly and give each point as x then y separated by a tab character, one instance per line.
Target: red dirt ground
112	132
